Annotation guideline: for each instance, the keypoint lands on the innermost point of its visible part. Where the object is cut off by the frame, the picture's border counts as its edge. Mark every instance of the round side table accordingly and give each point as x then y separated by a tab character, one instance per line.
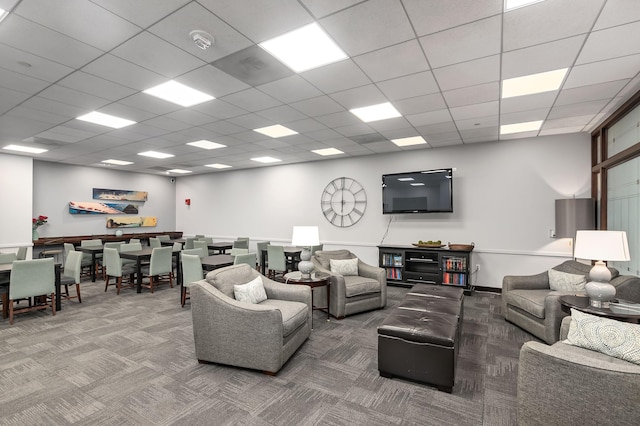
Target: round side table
581	303
317	279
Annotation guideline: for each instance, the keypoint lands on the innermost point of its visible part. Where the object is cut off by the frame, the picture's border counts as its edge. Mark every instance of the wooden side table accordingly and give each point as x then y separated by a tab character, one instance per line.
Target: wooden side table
581	303
317	280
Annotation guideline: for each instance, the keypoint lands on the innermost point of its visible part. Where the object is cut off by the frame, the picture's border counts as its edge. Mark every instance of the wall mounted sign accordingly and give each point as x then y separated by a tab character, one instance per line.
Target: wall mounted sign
131	222
119	195
94	207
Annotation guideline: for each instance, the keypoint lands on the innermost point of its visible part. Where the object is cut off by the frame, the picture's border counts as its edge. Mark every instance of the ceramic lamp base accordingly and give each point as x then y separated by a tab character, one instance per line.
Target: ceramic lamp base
305	266
599	290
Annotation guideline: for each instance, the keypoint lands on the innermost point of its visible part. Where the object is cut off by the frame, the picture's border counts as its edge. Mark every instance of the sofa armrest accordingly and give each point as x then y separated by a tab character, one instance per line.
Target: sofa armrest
525	282
627	287
556	386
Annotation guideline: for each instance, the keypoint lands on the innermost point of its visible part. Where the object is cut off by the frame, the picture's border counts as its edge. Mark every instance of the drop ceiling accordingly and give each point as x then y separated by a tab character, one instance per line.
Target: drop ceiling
440	63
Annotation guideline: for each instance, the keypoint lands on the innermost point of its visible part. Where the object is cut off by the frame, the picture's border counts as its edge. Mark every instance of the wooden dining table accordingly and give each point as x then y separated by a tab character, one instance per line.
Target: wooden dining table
145	254
5	270
93	251
216	261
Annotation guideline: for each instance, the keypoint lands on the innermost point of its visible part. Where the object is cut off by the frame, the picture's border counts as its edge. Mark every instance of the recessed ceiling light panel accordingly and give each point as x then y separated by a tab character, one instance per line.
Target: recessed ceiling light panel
102	119
117	162
3	14
265	160
413	140
217	166
204	144
376	112
529	126
303	49
533	83
276	131
155	154
327	151
178	93
179	171
515	4
28	149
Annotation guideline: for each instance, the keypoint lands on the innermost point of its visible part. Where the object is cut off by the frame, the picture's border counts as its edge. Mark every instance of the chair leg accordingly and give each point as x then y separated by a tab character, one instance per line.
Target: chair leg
78	292
151	283
118	284
170	279
10	312
106	283
53	304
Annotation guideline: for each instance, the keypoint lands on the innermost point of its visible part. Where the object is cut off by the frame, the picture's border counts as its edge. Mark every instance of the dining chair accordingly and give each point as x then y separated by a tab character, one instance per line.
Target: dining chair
260	246
154	242
22	253
248	258
199	236
85	264
130	247
189	242
316	248
164	237
209	240
241	244
4	259
202	246
134	240
176	247
96	242
116	269
32	278
197	251
71	274
110	244
277	262
191	272
160	266
235	251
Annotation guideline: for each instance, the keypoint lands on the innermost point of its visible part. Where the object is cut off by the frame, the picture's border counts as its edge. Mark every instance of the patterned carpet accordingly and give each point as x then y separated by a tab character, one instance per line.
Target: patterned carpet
130	360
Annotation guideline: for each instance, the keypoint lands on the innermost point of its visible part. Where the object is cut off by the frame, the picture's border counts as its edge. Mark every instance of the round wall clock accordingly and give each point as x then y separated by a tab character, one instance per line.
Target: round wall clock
343	202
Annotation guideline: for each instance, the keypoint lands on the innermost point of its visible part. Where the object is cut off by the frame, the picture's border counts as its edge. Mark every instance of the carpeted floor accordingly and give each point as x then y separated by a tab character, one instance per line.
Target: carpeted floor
130	359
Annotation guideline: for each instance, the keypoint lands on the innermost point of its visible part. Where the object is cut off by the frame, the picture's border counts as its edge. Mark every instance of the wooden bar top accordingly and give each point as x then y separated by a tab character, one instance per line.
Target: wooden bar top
75	239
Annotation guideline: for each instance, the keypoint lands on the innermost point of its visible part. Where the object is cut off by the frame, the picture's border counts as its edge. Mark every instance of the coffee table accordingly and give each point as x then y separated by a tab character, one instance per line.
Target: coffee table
318	279
581	303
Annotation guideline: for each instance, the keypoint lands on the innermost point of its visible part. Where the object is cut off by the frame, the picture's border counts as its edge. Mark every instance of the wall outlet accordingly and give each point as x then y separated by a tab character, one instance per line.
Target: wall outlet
552	233
477	266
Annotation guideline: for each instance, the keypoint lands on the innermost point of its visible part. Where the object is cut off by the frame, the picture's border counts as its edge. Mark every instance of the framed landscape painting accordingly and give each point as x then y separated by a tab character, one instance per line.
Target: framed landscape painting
119	194
132	222
94	207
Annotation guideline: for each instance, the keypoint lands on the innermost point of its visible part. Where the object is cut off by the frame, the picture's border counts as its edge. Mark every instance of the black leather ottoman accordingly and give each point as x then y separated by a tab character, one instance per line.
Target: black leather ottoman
437	291
419	340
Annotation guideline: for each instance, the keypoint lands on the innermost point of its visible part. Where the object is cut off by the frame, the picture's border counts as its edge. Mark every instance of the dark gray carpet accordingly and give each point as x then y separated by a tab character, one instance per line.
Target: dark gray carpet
129	359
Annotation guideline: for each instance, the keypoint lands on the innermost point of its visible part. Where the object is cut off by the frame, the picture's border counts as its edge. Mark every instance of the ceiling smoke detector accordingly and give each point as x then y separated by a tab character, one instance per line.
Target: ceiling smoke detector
202	39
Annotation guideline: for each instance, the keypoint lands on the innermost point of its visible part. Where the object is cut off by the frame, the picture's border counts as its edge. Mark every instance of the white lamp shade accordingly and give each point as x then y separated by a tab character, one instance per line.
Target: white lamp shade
305	236
602	245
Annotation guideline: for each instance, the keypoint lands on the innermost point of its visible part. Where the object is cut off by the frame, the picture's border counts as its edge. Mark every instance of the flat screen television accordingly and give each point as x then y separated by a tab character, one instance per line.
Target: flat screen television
427	191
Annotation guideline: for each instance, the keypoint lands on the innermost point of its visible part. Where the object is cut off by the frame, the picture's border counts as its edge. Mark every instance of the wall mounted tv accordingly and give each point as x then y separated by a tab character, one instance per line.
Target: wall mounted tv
427	191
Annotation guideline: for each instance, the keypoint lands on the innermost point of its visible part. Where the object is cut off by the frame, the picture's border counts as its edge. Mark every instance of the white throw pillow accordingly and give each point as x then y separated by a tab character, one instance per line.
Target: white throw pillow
251	292
614	338
344	266
563	281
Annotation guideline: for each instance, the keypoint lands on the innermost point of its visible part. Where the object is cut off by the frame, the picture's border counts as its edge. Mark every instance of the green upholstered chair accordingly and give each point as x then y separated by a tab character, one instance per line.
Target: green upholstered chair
188	242
236	251
248	258
7	258
159	267
22	253
115	269
191	272
164	237
110	244
134	240
241	243
316	248
154	242
86	262
202	246
130	247
32	278
262	245
277	262
71	274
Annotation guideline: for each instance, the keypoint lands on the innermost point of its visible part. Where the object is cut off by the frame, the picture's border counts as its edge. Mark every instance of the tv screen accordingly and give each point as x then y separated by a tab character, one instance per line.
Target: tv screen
428	191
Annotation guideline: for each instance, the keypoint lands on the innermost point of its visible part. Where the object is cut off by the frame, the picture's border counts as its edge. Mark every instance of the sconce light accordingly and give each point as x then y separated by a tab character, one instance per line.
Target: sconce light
187	201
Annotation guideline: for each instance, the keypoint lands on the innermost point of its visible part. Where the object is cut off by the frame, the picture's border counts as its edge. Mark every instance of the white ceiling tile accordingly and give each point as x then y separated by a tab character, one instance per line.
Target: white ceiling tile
433	117
369	26
472	95
603	71
153	53
19	33
561	130
548	21
167	123
96	86
73	97
218	109
529	102
523	116
261	21
409	86
393	61
29	113
575	110
251	121
382	126
444	139
425	103
322	105
564	122
474	111
282	114
544	57
191	116
21	83
125	73
54	107
611	43
447	126
251	100
126	111
470	73
359	97
618	12
337	76
141	12
591	93
321	8
211	80
224	127
480	124
176	29
339	119
31	65
290	89
354	130
430	16
471	41
113	29
149	103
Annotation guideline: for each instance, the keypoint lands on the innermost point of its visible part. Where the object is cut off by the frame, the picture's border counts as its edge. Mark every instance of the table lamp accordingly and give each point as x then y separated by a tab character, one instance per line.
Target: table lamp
601	246
305	237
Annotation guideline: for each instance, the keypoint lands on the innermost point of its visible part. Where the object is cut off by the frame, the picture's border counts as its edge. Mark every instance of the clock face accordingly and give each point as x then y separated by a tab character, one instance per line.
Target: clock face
343	202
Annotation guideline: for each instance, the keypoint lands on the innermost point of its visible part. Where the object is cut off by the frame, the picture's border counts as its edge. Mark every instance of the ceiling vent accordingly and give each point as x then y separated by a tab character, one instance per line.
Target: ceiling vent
202	39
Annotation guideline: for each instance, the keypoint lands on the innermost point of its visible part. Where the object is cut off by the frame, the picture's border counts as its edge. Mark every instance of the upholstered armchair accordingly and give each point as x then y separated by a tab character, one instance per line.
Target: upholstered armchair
352	294
529	302
260	336
563	384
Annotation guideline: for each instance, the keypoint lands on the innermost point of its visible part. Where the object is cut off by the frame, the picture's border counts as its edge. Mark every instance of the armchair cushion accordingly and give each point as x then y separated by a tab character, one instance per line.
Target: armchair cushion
559	280
294	314
225	284
344	267
614	338
324	257
251	292
531	301
356	286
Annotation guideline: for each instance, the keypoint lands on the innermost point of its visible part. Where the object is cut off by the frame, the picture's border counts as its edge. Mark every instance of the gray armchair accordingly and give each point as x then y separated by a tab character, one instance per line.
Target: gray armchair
260	336
529	302
352	294
567	385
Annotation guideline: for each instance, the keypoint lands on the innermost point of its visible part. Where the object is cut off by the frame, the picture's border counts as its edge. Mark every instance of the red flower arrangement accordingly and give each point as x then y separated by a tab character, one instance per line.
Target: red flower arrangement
38	221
